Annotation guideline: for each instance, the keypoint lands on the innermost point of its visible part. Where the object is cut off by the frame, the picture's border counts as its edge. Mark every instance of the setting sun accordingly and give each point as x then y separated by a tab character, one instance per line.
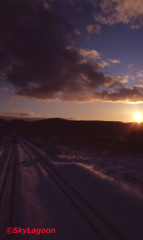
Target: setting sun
137	117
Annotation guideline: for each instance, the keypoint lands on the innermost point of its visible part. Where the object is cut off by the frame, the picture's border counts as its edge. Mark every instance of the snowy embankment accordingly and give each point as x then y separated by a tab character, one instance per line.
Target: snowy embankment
65	187
125	168
120	206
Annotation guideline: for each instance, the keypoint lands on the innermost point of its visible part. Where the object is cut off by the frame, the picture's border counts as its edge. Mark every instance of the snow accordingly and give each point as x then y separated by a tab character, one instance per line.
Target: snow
110	182
124	168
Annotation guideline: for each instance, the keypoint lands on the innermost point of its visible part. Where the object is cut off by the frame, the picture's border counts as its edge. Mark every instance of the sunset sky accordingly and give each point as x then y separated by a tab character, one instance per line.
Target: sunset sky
77	59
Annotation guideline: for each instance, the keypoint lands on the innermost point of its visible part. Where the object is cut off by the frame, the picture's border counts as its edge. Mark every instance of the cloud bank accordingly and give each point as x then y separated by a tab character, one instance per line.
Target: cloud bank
93	29
18	114
120	11
38	57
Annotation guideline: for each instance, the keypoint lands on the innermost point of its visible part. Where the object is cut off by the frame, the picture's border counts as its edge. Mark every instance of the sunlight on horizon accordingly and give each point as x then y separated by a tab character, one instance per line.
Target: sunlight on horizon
138	117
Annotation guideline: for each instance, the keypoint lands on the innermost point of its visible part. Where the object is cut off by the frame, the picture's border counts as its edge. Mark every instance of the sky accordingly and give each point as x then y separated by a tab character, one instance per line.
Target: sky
74	59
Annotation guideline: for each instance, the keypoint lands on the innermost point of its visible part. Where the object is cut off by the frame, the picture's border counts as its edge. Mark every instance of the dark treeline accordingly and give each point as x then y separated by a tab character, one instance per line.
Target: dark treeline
57	126
108	134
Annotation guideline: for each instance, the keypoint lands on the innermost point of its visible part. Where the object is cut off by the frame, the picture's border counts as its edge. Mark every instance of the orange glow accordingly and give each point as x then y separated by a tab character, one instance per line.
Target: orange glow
138	117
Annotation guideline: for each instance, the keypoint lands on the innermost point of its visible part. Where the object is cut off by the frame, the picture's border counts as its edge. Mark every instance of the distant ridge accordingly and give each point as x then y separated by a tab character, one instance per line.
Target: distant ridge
62	126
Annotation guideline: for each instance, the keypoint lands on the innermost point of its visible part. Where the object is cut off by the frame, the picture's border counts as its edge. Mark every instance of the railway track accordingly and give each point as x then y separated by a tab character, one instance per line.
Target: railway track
98	224
7	189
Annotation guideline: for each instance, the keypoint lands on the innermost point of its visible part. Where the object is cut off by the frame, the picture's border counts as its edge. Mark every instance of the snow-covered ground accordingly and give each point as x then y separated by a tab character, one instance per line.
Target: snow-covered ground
77	190
125	168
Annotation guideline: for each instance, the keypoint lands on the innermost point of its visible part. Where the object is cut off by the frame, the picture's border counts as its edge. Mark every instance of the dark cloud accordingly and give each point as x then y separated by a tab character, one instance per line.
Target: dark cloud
119	11
37	58
93	29
122	94
18	114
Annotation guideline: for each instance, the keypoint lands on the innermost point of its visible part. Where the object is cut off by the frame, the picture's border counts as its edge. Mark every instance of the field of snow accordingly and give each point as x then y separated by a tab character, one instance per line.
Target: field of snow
125	168
77	189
